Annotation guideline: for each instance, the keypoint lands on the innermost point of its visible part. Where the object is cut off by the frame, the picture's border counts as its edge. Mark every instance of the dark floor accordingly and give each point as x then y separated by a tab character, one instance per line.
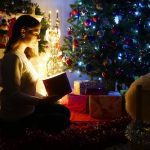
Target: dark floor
92	135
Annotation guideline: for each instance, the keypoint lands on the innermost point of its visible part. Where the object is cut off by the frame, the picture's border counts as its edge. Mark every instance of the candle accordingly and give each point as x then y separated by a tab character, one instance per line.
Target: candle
57	20
57	13
49	15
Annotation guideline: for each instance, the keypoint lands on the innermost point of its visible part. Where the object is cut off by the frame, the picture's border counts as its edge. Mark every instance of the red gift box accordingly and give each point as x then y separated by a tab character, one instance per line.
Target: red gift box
105	107
95	91
76	103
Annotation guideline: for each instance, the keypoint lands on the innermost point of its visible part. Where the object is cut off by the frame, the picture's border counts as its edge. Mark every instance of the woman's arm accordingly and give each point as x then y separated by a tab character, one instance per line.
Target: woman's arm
12	69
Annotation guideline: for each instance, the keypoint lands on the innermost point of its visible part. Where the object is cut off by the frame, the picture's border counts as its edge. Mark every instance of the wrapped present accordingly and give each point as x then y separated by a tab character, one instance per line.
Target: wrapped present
76	103
81	86
95	91
105	107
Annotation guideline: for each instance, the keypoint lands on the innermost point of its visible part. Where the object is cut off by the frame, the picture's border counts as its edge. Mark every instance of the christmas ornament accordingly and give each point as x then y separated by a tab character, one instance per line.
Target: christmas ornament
85	36
113	45
89	68
100	33
75	43
69	31
105	74
70	15
68	61
98	6
115	31
87	22
74	12
95	18
128	41
83	11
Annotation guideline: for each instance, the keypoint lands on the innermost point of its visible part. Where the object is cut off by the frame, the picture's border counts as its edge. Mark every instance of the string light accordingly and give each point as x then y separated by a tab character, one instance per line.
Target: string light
80	63
117	19
53	34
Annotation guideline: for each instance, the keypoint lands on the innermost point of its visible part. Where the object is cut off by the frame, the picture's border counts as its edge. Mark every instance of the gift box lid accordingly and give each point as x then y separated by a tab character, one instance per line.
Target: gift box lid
57	85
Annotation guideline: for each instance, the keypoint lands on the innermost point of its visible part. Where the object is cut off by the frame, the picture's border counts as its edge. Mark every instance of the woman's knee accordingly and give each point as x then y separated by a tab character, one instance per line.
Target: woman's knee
66	111
58	108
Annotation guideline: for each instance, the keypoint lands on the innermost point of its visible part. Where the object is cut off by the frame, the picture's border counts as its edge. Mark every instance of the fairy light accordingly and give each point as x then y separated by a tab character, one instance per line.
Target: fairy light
53	34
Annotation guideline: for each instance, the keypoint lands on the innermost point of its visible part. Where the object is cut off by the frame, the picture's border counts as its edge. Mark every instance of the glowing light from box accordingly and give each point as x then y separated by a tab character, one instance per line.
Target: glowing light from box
50	62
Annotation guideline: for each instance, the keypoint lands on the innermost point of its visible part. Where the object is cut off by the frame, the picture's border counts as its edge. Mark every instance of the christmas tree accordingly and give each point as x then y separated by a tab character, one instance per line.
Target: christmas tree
9	10
109	39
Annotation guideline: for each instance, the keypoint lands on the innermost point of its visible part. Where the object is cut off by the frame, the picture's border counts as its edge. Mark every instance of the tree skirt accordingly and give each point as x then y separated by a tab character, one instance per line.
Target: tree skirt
80	135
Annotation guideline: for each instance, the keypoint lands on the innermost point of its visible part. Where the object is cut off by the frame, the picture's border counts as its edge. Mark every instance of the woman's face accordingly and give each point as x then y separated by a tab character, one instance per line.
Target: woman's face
32	37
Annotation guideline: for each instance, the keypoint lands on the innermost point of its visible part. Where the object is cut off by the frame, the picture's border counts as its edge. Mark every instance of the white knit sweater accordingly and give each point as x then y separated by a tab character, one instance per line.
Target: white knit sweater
19	83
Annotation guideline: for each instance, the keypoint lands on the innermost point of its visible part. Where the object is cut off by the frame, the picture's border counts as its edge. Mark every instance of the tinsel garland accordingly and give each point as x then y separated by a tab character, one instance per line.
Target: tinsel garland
138	133
89	135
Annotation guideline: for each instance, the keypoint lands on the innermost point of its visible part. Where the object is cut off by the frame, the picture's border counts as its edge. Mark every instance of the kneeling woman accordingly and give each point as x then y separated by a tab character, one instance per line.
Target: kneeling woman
20	105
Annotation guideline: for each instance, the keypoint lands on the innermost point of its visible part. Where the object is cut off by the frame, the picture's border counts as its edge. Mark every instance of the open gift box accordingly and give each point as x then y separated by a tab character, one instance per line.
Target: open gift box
57	85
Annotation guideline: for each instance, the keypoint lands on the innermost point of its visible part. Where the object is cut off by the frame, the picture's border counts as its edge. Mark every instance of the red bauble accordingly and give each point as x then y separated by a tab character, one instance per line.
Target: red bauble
60	57
69	32
105	74
68	61
95	18
75	43
87	22
74	12
115	31
113	44
128	41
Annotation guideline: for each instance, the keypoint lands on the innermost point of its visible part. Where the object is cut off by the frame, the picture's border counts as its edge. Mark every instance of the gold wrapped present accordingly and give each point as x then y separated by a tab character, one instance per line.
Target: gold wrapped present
81	86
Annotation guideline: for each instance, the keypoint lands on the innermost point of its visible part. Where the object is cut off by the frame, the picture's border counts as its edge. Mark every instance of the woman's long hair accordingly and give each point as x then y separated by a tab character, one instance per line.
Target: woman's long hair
24	21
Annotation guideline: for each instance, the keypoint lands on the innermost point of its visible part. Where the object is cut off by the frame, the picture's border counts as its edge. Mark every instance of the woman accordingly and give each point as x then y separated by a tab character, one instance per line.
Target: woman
20	104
